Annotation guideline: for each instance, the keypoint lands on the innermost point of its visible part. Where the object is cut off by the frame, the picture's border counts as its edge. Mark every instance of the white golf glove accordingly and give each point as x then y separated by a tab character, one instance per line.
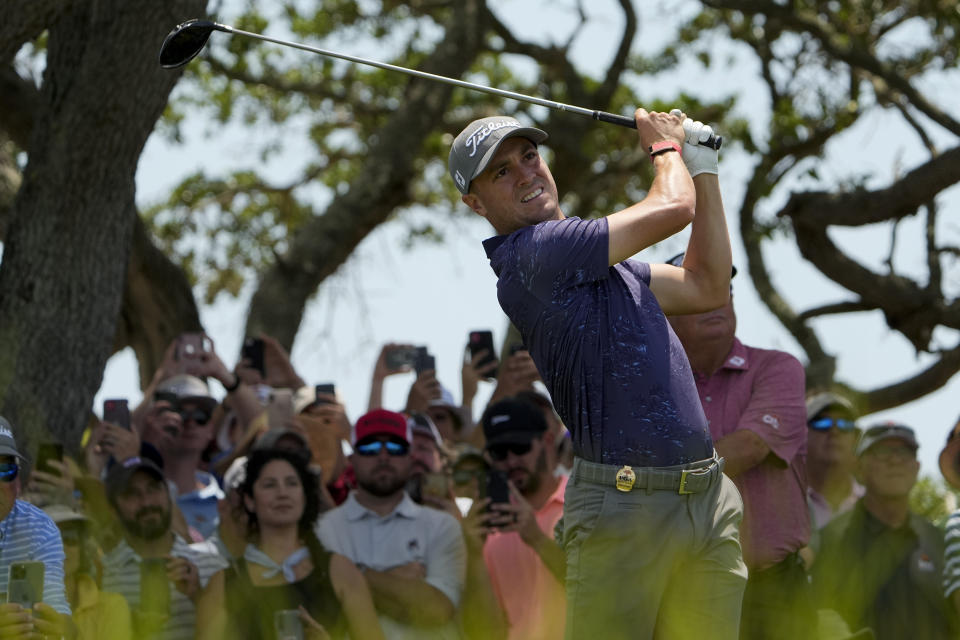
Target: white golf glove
698	158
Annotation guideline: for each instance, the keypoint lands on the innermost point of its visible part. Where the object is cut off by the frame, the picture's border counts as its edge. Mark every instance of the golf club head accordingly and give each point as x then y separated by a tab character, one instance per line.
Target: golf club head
185	41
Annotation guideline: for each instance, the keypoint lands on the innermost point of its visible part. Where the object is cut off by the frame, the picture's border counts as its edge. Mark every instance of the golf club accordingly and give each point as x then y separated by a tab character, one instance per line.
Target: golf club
188	38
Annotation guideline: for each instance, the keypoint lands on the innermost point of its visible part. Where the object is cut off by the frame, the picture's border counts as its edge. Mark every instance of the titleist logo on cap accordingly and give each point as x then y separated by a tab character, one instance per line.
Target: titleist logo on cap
473	141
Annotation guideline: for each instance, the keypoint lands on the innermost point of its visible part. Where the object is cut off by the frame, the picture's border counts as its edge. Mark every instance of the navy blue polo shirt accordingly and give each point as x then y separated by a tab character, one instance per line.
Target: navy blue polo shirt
618	375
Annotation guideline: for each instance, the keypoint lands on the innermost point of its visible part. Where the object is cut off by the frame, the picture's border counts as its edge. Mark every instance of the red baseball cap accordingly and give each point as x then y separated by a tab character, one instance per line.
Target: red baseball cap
381	422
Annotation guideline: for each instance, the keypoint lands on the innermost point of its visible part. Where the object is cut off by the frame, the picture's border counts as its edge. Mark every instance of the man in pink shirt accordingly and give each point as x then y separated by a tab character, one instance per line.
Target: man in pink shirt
754	403
525	563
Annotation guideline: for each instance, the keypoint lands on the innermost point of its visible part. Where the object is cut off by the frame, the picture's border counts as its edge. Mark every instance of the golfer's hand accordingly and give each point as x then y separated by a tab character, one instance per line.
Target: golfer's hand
655	126
698	158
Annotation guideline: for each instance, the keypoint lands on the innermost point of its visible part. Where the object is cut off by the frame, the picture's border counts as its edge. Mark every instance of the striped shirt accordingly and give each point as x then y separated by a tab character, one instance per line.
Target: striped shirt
27	534
121	574
951	556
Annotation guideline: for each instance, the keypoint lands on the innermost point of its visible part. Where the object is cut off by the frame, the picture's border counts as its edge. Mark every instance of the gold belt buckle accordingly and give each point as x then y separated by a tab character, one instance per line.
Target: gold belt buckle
625	478
684	474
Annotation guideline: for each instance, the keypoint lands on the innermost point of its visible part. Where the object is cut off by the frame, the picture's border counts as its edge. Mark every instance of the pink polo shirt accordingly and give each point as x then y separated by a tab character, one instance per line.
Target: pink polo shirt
534	599
763	390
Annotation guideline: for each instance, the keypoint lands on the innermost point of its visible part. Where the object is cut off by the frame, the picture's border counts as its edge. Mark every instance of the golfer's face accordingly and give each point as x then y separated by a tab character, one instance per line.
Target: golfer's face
516	190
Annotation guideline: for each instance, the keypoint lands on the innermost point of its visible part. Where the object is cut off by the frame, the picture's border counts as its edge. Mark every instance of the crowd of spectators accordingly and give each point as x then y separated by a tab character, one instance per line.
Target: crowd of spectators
269	513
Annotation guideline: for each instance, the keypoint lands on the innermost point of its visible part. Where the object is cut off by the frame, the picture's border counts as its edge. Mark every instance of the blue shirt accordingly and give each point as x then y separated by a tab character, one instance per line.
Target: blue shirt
199	507
617	374
27	534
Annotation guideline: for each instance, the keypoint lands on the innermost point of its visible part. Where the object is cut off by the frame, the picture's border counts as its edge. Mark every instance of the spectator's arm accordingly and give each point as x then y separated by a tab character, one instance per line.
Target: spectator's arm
212	620
355	599
424	389
404	594
774	422
380	373
742	450
50	553
480	609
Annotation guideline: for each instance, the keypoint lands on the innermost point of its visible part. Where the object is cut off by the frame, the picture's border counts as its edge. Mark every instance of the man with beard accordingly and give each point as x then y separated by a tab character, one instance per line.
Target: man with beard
526	566
413	557
140	497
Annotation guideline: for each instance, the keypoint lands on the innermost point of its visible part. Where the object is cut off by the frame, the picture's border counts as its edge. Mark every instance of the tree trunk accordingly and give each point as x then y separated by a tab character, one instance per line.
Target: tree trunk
68	241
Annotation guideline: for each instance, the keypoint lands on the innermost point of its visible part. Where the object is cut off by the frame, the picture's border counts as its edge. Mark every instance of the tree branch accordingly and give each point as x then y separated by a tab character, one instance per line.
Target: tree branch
914	387
24	20
19	102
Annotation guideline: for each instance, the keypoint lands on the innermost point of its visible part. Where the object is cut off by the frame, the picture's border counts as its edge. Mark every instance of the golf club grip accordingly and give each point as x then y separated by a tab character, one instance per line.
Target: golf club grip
714	142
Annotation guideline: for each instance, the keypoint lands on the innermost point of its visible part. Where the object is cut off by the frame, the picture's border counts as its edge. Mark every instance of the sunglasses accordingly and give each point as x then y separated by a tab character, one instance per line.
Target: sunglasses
499	451
9	471
199	416
374	448
71	536
825	424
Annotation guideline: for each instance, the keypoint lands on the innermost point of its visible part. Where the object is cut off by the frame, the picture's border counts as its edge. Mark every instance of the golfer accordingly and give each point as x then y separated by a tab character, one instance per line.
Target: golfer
650	527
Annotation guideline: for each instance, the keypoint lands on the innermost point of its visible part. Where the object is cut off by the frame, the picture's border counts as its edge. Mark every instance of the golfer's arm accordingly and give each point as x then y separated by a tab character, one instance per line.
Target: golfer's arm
703	283
667	209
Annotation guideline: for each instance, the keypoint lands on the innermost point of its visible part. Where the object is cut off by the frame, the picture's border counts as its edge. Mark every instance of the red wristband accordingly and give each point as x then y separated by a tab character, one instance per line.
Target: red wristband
662	146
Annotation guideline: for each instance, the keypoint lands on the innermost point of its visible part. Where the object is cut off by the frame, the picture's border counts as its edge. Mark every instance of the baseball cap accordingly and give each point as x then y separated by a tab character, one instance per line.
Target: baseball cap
381	422
476	145
422	424
8	445
120	473
677	261
512	421
886	431
950	457
191	388
821	401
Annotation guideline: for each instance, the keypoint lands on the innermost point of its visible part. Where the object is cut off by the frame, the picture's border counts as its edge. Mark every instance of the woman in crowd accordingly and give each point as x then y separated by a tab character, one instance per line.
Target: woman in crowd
284	567
96	614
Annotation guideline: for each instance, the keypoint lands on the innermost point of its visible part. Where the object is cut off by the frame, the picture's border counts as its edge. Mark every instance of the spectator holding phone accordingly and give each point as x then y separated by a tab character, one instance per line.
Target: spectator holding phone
138	493
96	613
197	490
284	567
393	359
526	565
27	535
413	557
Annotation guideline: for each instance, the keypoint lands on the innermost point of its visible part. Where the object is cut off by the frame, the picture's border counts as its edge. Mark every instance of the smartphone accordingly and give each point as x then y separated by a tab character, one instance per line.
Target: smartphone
280	408
166	396
252	351
483	341
116	411
401	357
496	487
45	453
191	345
327	388
425	361
25	584
154	586
287	625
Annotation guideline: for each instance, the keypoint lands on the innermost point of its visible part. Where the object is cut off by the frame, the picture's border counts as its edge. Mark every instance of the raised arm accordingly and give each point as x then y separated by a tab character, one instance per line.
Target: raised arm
669	205
703	282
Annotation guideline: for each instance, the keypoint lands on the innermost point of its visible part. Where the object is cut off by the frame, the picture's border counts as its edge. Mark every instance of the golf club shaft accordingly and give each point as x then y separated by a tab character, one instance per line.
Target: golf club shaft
624	121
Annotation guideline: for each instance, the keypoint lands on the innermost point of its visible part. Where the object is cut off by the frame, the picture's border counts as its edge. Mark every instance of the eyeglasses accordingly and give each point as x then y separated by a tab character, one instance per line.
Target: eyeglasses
9	471
199	416
373	448
825	424
499	451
